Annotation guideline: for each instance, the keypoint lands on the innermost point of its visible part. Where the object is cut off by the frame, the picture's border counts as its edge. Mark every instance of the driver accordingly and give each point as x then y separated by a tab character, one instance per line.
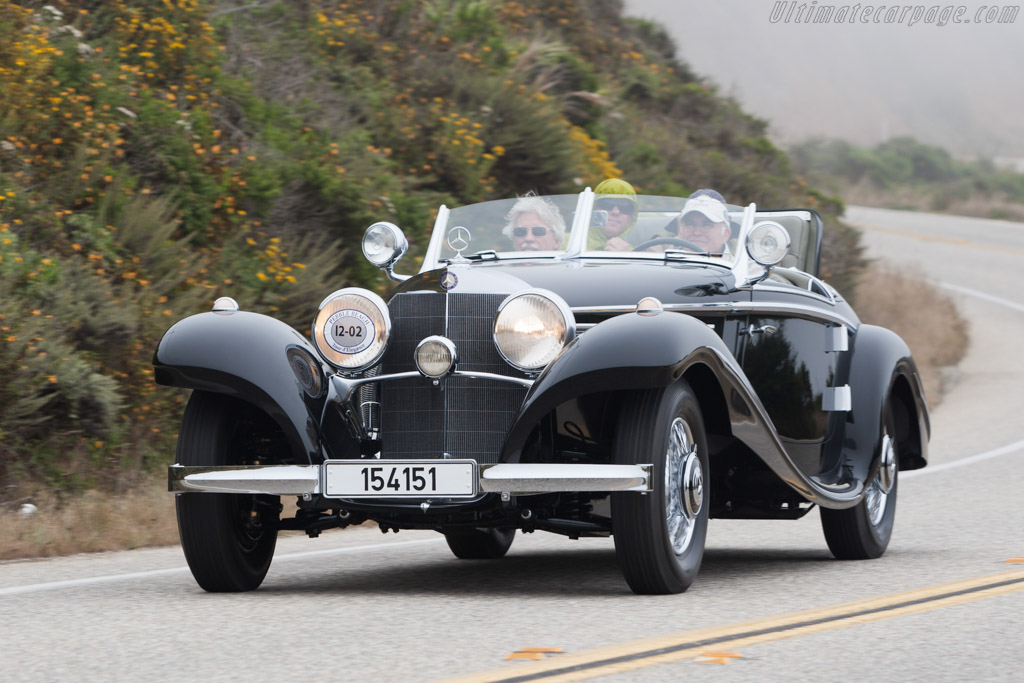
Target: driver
704	221
534	224
618	198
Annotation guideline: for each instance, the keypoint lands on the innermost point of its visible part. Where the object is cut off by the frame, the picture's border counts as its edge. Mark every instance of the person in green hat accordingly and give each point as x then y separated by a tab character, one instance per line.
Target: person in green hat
618	198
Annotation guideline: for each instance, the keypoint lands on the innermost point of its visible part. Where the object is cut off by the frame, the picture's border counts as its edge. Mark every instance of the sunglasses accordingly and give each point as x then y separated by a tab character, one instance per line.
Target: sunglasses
623	205
538	231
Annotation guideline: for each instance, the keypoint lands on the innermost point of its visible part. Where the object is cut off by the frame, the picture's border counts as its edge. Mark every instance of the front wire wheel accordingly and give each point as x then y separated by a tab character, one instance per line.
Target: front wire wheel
228	539
863	531
659	536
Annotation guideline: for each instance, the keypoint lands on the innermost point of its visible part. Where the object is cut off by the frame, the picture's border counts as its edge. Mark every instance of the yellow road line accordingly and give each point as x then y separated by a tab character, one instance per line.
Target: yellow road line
956	241
624	657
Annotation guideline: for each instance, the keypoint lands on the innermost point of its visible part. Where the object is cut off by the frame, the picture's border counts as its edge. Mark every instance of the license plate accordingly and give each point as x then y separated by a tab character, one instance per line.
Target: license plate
400	478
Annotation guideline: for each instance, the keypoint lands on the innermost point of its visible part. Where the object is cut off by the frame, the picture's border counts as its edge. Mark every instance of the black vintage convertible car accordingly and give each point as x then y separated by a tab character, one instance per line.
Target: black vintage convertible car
531	378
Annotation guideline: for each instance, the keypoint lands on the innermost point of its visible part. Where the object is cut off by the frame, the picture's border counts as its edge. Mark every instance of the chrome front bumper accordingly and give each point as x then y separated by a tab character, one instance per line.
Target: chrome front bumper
513	478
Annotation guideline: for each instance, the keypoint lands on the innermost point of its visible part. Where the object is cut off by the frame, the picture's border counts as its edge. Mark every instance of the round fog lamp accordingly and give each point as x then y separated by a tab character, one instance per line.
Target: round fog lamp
435	357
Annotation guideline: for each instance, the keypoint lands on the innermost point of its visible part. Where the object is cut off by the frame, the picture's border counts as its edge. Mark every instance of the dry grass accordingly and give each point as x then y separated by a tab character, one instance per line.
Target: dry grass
91	522
936	200
918	311
907	304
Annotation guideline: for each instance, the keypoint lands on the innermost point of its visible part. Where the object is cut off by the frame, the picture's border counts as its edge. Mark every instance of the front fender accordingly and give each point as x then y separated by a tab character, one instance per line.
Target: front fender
246	355
629	351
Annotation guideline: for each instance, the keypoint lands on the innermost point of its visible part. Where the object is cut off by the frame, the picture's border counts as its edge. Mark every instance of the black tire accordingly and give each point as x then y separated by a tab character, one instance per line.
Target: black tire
228	539
652	562
863	531
479	544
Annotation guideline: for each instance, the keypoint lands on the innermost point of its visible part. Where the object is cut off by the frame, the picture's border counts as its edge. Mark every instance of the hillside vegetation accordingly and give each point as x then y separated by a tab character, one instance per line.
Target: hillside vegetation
155	155
904	173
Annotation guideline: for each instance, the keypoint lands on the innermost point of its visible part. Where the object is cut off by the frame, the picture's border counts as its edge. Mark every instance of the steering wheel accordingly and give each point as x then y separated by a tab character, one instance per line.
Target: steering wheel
689	246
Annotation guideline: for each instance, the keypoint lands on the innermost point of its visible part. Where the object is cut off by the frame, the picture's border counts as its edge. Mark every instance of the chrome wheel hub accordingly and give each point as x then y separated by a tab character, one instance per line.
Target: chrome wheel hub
878	490
684	485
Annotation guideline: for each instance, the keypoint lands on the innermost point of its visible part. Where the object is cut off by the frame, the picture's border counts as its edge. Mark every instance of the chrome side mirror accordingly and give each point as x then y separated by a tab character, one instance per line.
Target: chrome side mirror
384	245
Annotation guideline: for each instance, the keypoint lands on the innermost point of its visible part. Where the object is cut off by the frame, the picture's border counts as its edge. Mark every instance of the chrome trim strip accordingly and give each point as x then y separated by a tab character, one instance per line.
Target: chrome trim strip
473	374
518	478
344	387
731	307
522	478
280	480
826	293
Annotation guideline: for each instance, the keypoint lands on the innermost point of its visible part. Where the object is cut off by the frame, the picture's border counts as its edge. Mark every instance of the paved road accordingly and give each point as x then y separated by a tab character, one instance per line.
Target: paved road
356	605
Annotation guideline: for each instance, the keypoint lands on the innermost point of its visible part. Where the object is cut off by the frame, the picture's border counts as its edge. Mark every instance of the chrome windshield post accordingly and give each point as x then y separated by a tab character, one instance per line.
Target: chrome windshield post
580	225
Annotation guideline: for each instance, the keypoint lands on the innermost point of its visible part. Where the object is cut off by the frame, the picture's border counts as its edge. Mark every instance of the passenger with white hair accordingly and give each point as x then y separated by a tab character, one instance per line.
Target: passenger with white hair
534	224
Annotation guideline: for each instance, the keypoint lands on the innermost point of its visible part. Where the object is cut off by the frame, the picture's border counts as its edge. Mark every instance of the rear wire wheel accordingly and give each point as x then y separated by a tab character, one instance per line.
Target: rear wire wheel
479	544
228	539
863	531
659	536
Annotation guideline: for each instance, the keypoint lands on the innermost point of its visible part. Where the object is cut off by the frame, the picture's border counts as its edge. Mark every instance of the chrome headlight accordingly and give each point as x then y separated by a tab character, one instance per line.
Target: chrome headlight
532	327
351	329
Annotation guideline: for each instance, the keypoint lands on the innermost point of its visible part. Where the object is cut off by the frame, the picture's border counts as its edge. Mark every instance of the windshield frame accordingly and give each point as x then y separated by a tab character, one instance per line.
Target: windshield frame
738	263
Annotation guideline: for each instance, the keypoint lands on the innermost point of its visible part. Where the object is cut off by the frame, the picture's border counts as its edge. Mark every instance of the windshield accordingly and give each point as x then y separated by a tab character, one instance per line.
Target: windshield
511	227
605	226
651	224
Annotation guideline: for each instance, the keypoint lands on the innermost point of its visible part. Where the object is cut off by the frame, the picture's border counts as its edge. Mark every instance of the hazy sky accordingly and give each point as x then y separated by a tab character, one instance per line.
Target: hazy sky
958	85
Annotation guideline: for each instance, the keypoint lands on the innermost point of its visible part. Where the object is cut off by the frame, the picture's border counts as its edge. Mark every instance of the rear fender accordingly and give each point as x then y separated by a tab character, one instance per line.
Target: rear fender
255	358
883	371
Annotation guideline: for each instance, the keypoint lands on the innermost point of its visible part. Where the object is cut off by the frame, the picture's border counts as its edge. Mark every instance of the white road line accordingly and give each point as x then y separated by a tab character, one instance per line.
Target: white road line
982	295
963	462
110	578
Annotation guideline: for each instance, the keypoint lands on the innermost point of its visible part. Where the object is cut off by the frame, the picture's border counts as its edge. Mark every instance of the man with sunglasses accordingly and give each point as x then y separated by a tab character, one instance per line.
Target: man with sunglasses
534	224
618	198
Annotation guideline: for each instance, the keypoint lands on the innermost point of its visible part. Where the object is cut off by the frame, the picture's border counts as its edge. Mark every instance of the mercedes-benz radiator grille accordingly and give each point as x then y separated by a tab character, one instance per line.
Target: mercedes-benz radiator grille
464	417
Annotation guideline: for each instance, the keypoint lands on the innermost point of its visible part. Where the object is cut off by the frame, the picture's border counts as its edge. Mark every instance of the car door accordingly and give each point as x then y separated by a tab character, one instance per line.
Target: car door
793	343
